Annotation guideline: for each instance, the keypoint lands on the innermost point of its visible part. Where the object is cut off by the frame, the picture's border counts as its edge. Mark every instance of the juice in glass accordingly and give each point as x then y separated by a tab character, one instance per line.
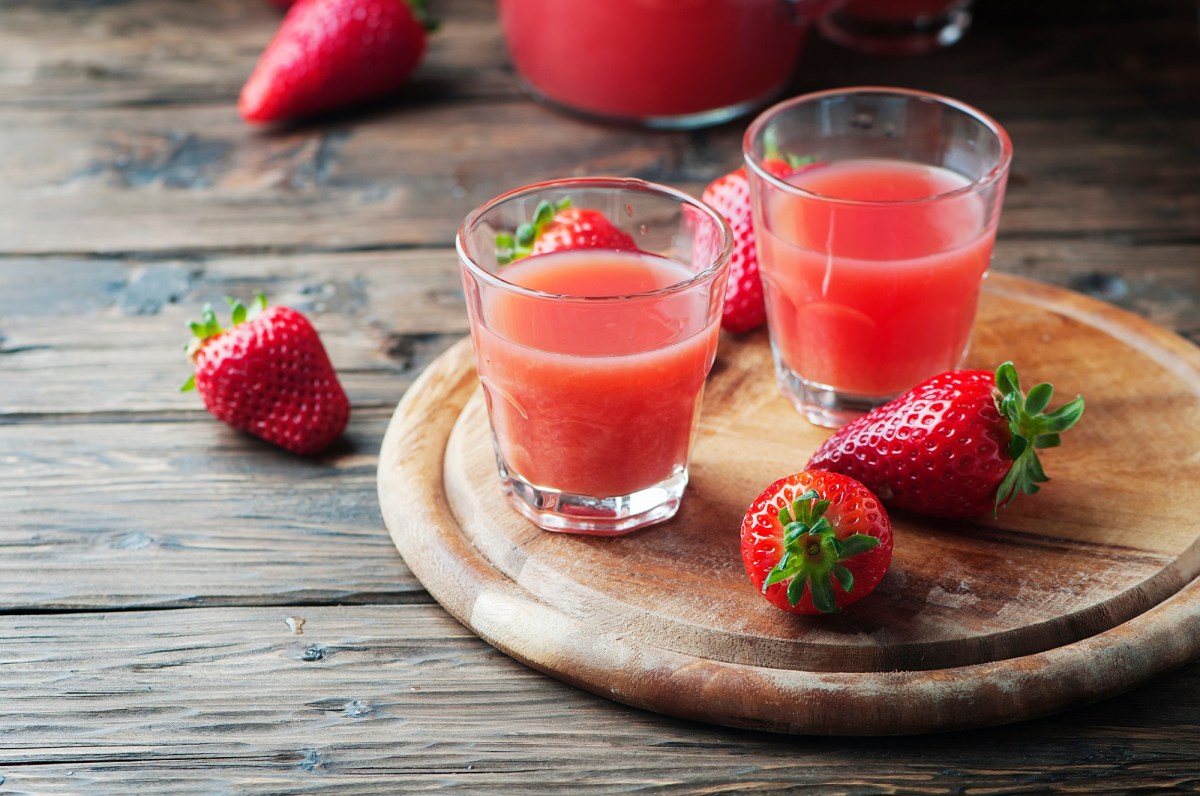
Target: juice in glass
592	361
661	63
873	256
595	399
873	300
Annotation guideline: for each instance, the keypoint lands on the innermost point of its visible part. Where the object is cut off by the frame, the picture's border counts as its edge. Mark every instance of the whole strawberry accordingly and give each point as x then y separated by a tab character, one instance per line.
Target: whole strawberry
268	375
957	445
331	54
559	227
729	195
815	542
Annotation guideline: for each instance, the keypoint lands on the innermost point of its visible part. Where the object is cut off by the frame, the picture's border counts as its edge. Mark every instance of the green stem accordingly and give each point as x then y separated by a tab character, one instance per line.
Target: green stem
1031	430
813	554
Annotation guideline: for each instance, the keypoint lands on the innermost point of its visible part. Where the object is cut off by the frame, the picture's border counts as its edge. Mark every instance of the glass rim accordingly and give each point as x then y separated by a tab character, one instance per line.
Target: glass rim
990	177
632	184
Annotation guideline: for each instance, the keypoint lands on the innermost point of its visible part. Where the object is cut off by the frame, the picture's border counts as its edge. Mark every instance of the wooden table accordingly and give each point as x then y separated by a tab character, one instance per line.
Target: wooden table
186	609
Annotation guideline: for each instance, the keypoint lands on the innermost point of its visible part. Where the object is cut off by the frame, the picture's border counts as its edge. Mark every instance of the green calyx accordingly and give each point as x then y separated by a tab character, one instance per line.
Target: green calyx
421	14
813	555
1032	428
514	245
208	326
771	152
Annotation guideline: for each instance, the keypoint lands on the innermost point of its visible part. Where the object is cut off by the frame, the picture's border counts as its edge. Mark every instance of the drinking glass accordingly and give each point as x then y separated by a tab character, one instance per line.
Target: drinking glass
593	360
875	212
897	27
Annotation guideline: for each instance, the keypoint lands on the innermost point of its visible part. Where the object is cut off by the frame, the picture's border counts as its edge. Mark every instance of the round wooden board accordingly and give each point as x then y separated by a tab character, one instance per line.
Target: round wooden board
1072	595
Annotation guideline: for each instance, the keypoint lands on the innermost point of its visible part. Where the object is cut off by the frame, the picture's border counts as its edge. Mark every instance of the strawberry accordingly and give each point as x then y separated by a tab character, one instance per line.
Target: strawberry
558	227
815	542
957	445
268	375
331	54
729	195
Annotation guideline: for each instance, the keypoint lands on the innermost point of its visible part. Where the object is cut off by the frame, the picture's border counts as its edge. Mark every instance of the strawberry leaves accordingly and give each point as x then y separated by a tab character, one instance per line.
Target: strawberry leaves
1031	429
557	226
209	326
813	554
515	245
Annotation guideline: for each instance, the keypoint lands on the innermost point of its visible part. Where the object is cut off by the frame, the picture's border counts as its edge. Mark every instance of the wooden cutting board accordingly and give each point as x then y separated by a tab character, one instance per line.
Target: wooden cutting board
1072	595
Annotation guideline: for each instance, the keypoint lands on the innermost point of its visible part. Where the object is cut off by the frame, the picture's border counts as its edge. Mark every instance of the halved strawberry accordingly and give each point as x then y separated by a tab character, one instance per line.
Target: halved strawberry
815	542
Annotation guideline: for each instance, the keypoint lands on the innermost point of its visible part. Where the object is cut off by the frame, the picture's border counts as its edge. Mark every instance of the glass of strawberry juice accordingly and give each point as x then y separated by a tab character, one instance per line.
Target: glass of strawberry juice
592	361
873	247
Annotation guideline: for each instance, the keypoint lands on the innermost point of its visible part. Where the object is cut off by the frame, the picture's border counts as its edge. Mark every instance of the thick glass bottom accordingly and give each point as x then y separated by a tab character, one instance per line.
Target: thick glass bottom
822	404
565	512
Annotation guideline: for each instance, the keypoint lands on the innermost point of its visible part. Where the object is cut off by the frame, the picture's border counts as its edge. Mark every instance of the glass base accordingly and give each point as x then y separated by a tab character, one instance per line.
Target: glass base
683	121
921	35
821	404
565	512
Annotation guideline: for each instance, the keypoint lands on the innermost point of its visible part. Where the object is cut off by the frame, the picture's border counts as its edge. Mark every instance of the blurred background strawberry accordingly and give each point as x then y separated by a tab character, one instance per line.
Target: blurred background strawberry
333	54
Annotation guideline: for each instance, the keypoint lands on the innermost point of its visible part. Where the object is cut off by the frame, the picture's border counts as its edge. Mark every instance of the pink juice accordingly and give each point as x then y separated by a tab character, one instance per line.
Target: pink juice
871	299
652	58
595	397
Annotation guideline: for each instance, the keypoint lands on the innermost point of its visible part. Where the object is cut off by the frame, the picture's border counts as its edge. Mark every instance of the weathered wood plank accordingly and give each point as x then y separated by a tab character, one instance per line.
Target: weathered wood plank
100	336
169	507
195	178
176	513
1090	108
402	699
1157	281
104	336
163	52
169	180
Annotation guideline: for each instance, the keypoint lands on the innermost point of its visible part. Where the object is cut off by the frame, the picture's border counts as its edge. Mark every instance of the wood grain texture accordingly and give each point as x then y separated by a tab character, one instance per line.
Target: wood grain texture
380	699
106	336
164	53
1072	596
129	174
120	491
176	513
124	122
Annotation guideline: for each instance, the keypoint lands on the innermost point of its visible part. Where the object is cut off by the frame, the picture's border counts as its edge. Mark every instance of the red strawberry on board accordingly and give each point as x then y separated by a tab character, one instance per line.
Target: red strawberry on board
957	445
332	54
730	196
815	542
559	227
268	375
